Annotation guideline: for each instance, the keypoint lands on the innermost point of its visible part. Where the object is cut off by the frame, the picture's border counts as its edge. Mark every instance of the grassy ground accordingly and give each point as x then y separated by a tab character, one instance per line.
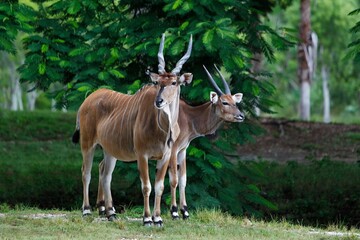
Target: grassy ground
29	223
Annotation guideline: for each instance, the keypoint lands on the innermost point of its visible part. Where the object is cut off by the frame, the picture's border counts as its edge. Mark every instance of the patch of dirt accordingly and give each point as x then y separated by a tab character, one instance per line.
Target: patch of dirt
287	140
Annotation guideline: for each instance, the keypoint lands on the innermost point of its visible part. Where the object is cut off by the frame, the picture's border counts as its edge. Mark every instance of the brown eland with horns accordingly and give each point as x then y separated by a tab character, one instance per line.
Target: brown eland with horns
130	128
195	122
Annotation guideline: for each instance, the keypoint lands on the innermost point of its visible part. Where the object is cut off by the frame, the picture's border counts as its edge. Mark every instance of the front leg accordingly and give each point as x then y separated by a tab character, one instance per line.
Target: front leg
146	188
161	169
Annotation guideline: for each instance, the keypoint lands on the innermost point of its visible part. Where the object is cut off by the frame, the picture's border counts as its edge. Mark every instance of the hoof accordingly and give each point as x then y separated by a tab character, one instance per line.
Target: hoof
158	222
102	211
112	218
148	224
174	213
111	215
147	221
86	211
185	213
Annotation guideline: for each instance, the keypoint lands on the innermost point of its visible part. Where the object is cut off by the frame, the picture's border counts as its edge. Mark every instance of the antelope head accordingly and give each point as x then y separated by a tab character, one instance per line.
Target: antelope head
168	84
225	102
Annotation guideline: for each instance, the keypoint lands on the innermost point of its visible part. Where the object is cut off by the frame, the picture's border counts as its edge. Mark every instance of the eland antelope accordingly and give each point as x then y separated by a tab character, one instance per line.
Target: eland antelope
195	122
129	128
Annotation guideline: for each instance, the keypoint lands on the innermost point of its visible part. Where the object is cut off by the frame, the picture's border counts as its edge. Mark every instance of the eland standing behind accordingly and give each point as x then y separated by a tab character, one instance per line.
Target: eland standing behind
196	122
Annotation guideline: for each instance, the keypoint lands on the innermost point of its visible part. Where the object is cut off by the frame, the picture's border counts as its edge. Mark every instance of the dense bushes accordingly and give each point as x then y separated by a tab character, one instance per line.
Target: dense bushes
320	192
41	167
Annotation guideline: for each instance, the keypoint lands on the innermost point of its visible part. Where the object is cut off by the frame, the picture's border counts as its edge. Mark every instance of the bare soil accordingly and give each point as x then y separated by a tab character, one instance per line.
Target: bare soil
286	140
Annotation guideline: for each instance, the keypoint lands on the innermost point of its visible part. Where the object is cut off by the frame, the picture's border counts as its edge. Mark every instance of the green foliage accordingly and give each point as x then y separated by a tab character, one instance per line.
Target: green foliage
322	192
354	46
14	17
111	44
214	181
39	125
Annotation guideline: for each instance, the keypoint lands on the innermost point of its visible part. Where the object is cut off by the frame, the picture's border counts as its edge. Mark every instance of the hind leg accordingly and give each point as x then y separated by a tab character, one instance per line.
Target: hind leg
173	179
86	177
100	202
105	179
182	184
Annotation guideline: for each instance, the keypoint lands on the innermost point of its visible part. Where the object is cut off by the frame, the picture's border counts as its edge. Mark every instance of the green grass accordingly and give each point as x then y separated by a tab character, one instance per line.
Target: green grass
30	223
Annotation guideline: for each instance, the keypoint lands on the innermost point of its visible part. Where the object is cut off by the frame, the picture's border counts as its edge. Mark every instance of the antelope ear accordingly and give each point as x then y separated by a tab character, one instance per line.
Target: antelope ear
213	97
154	77
237	97
186	78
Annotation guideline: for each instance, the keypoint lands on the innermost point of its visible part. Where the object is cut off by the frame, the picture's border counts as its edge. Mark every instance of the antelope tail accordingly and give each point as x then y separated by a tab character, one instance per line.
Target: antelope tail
76	135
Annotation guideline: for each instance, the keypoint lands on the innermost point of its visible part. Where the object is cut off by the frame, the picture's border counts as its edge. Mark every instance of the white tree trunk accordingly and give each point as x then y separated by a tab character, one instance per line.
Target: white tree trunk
326	93
31	97
305	59
15	92
257	63
305	101
16	100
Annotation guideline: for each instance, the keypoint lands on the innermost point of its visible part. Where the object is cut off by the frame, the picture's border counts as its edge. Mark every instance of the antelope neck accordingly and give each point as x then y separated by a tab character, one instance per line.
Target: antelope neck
205	120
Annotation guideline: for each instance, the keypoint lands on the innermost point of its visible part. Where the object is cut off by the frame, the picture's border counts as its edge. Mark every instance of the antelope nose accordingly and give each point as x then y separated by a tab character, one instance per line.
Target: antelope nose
240	117
159	102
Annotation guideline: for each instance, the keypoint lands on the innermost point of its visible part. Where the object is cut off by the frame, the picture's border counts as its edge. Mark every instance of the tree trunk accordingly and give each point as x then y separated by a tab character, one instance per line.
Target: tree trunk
15	91
326	93
15	96
304	60
31	98
257	63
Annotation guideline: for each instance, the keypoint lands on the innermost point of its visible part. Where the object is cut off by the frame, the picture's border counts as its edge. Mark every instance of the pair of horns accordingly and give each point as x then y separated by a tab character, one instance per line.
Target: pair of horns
179	64
217	89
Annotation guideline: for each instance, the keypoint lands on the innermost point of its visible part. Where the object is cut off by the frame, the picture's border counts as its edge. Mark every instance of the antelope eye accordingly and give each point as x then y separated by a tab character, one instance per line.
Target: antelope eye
155	83
173	83
225	103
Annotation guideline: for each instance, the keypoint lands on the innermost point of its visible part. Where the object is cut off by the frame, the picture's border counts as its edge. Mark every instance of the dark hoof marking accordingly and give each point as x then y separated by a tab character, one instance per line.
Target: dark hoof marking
174	213
157	221
158	224
185	213
86	211
112	218
102	211
101	207
148	223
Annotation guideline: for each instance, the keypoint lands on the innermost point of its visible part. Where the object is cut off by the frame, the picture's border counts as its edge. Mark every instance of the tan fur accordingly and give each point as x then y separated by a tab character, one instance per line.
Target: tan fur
130	128
195	122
